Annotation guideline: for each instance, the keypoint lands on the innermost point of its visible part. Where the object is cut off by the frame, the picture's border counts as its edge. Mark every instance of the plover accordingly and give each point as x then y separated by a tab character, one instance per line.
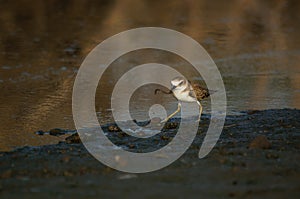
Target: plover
184	91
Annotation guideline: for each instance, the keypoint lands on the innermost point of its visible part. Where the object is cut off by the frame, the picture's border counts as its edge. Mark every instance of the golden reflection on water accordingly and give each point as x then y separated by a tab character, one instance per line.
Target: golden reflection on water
42	44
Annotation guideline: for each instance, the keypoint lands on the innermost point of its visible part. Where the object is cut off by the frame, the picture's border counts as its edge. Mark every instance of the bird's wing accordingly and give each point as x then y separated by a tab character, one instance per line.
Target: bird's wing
201	92
192	91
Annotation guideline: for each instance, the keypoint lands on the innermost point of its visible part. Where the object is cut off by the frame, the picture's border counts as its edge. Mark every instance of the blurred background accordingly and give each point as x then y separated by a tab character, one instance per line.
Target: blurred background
255	44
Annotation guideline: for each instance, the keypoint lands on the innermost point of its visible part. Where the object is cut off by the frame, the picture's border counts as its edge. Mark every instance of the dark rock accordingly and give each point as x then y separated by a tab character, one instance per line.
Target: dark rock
73	139
131	146
56	132
72	49
114	128
66	159
171	125
272	156
40	132
163	137
251	112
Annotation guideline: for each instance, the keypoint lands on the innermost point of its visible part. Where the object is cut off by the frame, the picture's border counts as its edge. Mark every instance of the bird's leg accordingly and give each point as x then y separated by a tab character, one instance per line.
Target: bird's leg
178	109
200	110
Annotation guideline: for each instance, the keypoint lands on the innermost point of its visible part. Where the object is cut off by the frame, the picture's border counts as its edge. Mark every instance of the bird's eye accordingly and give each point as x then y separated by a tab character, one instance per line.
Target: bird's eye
180	83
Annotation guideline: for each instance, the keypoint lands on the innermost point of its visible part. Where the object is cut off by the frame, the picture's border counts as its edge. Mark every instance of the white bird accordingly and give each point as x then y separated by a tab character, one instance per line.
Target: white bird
184	91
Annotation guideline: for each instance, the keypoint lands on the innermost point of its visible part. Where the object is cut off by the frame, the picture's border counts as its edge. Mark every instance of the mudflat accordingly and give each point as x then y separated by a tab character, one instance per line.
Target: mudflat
257	156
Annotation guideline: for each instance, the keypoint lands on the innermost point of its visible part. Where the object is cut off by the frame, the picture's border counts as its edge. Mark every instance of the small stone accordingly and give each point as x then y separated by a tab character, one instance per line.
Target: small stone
36	39
127	176
243	164
171	125
72	49
131	146
114	128
272	156
122	134
163	137
260	142
56	132
40	132
66	159
67	174
6	174
74	138
251	112
222	161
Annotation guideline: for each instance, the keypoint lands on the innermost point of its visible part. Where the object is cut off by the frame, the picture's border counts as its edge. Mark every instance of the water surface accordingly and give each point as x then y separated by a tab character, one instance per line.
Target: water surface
255	44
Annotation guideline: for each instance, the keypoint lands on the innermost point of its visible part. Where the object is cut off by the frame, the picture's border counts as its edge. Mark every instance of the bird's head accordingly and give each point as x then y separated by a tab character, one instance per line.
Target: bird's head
178	83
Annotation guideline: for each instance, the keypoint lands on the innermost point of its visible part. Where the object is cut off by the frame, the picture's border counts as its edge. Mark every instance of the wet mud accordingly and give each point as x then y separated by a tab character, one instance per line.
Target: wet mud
257	156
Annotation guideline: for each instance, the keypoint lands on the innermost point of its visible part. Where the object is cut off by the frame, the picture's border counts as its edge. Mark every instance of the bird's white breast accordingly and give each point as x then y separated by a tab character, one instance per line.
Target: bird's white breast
183	96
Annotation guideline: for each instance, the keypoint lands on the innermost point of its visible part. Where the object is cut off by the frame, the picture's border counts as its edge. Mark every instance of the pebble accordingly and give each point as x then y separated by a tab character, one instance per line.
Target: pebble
74	138
163	137
66	159
171	125
40	132
127	176
72	49
272	156
131	146
260	142
6	174
67	174
251	112
56	132
113	128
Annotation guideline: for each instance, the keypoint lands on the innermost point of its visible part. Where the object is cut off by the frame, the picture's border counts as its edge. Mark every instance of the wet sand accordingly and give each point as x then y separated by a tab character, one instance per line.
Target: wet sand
257	156
255	45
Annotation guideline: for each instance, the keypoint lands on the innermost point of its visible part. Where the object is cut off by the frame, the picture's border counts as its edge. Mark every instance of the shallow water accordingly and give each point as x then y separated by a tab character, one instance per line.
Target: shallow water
255	44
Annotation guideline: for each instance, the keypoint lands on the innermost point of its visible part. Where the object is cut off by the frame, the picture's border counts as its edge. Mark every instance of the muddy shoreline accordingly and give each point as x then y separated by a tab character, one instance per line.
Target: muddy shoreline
257	156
